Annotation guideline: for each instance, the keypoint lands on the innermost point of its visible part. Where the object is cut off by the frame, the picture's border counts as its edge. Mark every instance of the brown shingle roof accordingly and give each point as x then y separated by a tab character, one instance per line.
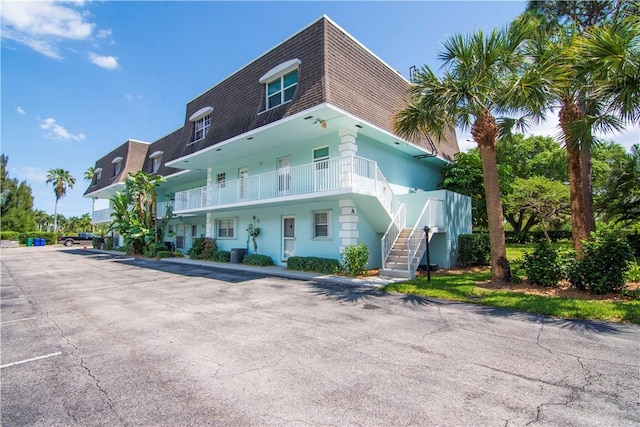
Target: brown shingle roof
133	154
171	145
359	82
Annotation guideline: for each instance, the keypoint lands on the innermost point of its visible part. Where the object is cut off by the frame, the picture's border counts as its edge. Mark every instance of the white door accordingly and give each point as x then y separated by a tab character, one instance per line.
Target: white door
284	176
243	175
288	237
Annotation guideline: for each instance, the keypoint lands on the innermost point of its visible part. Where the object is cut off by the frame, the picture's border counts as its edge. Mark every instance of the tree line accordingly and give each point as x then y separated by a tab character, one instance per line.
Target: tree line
579	58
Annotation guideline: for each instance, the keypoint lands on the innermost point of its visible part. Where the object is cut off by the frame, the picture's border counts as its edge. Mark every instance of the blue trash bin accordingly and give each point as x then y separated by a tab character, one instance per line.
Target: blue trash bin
41	241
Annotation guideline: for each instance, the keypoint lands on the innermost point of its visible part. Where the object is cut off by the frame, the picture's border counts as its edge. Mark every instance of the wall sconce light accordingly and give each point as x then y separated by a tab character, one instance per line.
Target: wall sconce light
323	123
353	211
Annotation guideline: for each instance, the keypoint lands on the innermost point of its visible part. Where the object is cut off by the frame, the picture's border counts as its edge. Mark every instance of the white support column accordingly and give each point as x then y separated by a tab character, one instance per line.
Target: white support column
348	220
209	225
210	179
348	149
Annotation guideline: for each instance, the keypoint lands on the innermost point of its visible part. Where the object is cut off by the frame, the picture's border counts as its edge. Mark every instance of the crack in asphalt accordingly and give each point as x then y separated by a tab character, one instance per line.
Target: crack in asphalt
259	368
95	380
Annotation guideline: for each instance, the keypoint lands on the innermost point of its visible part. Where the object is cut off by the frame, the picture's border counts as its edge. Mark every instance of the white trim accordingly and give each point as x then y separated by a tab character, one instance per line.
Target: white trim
89	195
156	154
116	160
280	70
313	225
99	170
235	228
201	113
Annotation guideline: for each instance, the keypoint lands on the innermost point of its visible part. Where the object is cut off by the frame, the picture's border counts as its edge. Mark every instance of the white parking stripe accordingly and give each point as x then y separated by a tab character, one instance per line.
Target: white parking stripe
19	362
19	320
12	299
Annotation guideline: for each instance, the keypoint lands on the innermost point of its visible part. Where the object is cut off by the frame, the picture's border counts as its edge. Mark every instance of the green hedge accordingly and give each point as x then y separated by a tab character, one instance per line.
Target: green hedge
315	264
221	256
473	249
9	235
259	260
536	236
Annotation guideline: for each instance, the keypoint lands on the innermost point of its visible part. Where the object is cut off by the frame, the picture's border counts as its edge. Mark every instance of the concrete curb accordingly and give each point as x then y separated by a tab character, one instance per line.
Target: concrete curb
278	271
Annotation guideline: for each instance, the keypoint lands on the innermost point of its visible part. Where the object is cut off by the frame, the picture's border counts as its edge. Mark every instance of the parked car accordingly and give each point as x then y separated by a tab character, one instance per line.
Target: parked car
80	239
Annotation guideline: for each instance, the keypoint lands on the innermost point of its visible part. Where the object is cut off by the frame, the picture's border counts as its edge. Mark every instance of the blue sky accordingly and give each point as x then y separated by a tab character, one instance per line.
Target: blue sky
80	78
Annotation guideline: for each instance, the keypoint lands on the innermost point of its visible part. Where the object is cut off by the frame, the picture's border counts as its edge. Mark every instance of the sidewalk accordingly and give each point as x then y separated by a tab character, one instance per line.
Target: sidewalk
278	271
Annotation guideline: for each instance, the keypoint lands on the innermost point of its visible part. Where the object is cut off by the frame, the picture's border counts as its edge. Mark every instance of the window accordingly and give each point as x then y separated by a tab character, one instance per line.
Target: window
281	90
321	224
321	158
155	164
226	228
201	127
194	231
221	179
156	161
97	174
117	167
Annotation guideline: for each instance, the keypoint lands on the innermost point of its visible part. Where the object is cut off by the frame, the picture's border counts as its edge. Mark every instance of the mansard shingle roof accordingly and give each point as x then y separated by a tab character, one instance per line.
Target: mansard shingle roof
334	68
133	154
170	145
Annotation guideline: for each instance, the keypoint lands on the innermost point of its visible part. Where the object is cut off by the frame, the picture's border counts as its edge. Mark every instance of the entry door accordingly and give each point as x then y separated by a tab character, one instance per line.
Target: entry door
243	174
288	237
284	176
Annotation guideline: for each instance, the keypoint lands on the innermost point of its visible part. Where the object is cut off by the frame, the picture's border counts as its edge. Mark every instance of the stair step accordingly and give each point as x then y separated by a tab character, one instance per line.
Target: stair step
394	273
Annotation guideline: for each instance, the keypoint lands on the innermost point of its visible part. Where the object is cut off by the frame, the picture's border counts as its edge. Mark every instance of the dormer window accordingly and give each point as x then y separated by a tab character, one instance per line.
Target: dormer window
281	82
97	174
201	123
117	166
156	161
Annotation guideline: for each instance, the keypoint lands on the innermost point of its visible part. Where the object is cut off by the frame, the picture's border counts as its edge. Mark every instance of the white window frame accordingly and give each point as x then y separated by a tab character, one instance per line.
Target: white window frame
97	175
314	224
221	179
117	168
202	126
277	74
234	228
156	162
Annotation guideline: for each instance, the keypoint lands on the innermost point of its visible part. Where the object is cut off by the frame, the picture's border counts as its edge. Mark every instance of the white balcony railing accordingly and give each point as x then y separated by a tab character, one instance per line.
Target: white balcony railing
104	215
432	215
101	215
355	173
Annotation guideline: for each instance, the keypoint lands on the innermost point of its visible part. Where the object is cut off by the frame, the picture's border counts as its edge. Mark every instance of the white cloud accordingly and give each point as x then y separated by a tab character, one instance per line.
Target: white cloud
30	174
20	111
56	131
108	62
44	25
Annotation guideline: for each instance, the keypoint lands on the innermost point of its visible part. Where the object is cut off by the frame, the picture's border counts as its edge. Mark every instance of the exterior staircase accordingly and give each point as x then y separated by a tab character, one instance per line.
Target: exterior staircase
397	264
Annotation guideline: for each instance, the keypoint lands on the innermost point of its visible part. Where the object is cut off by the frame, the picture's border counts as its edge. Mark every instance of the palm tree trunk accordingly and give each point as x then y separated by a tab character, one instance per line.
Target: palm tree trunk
55	217
485	132
568	114
587	191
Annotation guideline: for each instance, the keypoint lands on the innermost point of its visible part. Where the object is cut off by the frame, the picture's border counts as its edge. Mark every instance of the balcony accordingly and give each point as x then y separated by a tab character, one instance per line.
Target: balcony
104	215
339	175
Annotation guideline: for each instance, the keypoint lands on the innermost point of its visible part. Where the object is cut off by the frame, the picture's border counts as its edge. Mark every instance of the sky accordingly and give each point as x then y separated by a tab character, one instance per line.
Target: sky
80	78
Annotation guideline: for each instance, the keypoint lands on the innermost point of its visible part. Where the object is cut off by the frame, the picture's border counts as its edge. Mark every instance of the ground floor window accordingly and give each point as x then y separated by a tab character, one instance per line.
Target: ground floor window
226	228
321	224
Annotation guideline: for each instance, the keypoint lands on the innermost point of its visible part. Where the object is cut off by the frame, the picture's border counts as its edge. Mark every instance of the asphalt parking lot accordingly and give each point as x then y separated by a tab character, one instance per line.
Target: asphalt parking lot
91	338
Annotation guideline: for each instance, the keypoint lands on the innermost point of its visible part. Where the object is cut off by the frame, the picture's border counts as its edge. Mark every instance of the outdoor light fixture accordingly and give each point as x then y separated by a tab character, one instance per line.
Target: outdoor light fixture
323	123
426	234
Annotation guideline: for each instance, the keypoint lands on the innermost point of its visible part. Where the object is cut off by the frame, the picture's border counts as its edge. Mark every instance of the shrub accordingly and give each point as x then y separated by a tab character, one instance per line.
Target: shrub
221	256
152	250
316	264
355	259
97	242
203	248
542	265
108	243
259	260
606	258
177	254
163	254
9	235
473	249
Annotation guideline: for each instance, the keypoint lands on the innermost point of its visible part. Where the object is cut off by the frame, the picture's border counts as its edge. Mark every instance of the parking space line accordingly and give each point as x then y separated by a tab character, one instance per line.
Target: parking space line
12	299
19	320
33	359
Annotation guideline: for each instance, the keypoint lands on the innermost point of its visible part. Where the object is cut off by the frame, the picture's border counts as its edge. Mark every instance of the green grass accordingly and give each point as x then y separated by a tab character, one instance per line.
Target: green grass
516	251
462	288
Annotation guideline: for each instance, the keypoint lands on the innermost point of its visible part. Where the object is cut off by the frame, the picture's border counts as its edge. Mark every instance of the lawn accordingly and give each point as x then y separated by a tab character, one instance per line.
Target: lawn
464	286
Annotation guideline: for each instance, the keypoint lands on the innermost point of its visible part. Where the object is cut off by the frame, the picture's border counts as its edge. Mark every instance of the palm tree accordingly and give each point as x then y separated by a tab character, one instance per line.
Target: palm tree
61	179
479	82
89	174
592	77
